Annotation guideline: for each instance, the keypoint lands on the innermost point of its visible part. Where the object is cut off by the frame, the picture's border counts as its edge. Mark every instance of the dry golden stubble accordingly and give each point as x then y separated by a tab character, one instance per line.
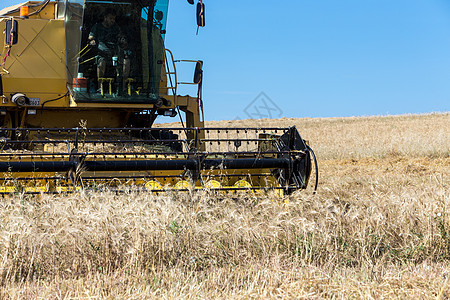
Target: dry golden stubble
378	227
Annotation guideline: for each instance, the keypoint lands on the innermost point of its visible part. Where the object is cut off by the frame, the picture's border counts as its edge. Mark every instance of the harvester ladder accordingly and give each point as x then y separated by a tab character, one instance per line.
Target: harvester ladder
172	80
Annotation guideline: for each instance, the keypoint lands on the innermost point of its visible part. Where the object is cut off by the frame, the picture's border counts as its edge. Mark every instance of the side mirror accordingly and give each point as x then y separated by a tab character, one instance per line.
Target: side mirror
159	15
201	14
12	32
198	74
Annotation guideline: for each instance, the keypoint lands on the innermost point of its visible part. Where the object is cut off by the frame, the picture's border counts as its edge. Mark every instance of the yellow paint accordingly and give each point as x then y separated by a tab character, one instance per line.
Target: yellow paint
7	189
109	81
183	185
213	184
67	189
37	189
153	185
39	53
242	184
129	83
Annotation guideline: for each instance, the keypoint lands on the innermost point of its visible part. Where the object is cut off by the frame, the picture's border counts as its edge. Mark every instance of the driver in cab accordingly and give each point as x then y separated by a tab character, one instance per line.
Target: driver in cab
109	40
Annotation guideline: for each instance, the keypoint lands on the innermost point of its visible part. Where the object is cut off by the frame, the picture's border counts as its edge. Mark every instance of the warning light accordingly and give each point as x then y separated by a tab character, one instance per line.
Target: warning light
24	12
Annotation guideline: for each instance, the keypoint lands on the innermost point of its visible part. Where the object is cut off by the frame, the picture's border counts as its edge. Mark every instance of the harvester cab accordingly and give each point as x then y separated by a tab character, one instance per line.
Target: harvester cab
100	61
81	85
121	53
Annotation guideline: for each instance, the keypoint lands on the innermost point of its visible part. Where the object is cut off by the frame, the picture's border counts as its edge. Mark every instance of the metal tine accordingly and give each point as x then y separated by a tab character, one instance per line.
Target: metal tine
219	137
209	135
246	138
228	139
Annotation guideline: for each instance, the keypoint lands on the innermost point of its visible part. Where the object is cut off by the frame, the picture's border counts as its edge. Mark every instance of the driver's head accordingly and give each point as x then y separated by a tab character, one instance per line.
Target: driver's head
109	18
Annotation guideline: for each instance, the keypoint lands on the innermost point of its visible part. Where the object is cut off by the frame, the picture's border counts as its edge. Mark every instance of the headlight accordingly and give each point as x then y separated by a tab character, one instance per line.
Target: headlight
20	99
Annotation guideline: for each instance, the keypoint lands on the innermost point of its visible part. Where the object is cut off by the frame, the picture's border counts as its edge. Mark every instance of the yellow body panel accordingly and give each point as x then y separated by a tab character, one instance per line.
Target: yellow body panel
36	65
75	118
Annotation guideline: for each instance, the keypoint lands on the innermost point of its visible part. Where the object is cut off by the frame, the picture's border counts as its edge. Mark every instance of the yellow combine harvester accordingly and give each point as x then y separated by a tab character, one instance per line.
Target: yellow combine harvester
82	83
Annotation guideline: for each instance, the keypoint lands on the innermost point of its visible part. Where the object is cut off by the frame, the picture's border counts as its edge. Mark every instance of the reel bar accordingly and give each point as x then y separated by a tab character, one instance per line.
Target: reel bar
165	176
143	165
156	129
145	154
185	164
146	141
37	166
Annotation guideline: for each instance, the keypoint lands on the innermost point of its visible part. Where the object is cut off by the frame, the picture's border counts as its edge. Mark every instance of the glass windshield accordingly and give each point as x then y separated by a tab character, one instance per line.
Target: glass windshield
119	51
159	15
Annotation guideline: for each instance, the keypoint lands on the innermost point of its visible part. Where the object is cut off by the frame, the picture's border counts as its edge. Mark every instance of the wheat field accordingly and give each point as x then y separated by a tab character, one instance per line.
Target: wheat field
378	228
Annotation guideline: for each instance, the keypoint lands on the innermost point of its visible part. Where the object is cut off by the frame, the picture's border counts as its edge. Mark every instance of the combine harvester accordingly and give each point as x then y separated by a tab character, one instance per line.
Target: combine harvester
81	85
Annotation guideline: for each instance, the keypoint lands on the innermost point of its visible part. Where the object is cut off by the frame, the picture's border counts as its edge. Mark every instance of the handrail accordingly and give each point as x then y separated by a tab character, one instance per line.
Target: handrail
173	83
191	61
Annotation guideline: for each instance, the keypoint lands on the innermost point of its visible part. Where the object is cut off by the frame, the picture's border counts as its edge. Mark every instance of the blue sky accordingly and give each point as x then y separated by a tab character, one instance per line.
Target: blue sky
320	58
316	58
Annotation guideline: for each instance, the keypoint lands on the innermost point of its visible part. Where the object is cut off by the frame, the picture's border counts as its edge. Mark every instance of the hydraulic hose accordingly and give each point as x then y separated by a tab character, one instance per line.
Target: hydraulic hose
51	100
316	166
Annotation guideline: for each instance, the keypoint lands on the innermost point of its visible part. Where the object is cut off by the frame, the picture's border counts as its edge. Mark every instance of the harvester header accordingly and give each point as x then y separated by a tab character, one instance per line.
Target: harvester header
81	85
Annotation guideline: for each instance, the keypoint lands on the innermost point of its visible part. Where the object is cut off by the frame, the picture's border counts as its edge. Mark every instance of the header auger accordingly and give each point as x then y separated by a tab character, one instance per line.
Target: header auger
78	106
